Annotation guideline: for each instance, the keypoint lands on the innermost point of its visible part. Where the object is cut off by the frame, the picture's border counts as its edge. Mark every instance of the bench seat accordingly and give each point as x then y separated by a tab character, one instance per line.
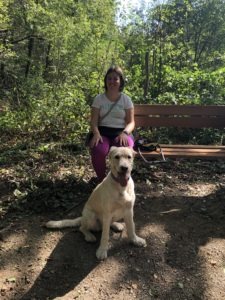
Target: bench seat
189	151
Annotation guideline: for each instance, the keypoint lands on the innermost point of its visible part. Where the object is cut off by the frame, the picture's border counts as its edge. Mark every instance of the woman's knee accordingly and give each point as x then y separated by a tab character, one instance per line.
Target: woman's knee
102	148
130	141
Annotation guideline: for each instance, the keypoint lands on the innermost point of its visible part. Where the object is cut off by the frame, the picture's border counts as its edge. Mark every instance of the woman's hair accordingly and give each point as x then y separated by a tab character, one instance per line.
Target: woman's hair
119	71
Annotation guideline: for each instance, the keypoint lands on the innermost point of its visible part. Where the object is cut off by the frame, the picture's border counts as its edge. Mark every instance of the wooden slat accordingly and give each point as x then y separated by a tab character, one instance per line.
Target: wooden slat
182	116
185	122
196	151
189	146
198	110
184	152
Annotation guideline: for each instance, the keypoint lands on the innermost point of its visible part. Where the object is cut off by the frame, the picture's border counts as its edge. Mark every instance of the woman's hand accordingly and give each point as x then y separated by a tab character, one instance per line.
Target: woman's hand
122	139
95	140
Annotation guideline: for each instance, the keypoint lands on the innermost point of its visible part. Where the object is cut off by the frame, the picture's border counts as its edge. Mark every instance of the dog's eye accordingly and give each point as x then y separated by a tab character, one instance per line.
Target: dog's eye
117	157
129	157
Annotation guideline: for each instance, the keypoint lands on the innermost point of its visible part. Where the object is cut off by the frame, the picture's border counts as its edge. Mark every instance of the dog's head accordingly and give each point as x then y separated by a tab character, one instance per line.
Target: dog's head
121	163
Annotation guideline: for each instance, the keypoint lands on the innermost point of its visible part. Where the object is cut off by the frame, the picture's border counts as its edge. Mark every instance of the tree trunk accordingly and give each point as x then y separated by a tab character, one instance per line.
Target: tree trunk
30	50
146	85
2	67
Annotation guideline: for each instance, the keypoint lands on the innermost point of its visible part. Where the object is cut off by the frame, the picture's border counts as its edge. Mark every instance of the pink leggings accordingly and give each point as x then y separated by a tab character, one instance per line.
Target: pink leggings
99	153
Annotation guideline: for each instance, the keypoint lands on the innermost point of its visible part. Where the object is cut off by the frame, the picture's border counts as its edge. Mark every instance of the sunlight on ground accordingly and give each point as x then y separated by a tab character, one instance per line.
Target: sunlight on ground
154	230
14	242
213	262
200	189
197	189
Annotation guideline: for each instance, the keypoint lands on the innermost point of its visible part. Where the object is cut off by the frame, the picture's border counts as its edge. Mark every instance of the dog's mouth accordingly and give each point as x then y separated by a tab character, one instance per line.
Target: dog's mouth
122	178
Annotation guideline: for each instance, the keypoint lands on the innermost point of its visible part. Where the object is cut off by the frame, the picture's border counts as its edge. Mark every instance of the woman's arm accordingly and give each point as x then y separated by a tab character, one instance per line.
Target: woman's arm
94	127
94	119
129	120
130	124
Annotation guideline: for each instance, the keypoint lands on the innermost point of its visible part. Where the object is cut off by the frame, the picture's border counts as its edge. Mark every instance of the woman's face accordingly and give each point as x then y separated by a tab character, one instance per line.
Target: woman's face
113	81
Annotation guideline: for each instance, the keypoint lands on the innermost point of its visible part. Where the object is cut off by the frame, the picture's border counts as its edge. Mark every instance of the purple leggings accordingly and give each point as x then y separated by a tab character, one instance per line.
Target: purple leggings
99	153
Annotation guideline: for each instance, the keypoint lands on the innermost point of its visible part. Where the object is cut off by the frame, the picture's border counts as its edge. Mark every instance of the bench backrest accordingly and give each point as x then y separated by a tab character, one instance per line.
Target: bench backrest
186	116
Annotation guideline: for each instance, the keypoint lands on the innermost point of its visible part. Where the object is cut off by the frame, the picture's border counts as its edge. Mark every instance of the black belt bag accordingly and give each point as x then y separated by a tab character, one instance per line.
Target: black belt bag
110	132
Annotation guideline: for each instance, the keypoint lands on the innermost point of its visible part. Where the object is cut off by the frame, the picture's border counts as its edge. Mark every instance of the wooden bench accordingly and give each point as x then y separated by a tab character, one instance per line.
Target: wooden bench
182	116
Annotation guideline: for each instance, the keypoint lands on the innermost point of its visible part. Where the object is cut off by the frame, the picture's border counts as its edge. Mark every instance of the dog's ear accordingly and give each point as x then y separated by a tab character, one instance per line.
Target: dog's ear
112	148
134	152
111	151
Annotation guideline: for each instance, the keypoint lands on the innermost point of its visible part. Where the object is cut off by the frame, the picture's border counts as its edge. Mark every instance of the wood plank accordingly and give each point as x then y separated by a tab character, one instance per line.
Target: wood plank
192	151
186	122
186	155
171	152
197	110
197	151
189	146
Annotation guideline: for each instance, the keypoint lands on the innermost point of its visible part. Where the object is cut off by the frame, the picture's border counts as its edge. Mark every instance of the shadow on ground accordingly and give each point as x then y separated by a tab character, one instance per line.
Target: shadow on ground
69	263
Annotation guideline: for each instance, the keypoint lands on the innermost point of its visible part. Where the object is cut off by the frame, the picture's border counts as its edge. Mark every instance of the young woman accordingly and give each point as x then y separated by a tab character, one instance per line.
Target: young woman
112	120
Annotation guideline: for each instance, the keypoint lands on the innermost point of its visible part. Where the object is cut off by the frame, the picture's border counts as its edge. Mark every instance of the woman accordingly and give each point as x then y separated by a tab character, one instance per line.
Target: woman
112	120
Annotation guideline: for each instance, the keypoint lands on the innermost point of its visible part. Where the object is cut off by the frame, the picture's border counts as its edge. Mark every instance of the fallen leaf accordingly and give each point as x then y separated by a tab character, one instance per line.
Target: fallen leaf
11	279
181	285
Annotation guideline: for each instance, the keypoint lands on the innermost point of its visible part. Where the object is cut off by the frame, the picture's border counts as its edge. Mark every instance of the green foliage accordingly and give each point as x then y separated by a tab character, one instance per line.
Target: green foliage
183	41
62	115
193	87
206	136
61	50
53	56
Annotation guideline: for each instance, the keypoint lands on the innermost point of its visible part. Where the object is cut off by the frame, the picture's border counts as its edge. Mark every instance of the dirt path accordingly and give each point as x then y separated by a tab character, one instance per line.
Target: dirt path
180	210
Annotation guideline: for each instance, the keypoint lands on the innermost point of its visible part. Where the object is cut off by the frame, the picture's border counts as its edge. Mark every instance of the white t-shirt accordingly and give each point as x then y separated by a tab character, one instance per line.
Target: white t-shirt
116	117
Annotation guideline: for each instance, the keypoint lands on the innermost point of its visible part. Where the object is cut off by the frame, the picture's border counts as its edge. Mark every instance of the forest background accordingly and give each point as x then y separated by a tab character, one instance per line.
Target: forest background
54	54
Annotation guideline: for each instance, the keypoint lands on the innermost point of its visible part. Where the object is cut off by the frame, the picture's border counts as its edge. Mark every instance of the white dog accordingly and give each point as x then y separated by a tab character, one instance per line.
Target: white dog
112	200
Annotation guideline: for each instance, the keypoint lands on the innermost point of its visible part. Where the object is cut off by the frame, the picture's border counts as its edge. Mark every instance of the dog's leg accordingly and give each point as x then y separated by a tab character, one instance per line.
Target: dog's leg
116	226
89	237
101	253
88	223
136	240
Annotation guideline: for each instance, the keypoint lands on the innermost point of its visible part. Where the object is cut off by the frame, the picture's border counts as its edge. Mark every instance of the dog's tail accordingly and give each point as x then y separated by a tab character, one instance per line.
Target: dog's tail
64	223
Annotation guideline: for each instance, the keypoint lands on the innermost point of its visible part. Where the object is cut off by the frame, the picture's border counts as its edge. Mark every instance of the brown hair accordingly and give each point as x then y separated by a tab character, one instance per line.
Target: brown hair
119	71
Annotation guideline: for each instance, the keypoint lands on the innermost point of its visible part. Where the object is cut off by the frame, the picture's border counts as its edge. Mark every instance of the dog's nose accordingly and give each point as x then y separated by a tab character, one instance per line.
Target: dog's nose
123	168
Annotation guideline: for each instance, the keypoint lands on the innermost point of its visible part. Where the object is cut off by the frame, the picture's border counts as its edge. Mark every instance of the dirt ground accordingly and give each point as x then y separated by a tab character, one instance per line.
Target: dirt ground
179	210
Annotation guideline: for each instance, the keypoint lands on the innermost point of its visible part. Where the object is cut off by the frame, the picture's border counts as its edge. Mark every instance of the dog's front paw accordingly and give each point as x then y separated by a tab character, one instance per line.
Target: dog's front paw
101	253
140	242
90	238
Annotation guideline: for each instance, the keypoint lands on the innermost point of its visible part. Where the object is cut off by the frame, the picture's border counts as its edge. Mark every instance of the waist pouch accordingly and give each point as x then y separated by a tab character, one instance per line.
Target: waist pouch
109	131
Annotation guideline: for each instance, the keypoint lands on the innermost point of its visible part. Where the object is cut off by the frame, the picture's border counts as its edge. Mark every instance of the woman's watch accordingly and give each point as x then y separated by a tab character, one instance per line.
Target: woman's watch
126	132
